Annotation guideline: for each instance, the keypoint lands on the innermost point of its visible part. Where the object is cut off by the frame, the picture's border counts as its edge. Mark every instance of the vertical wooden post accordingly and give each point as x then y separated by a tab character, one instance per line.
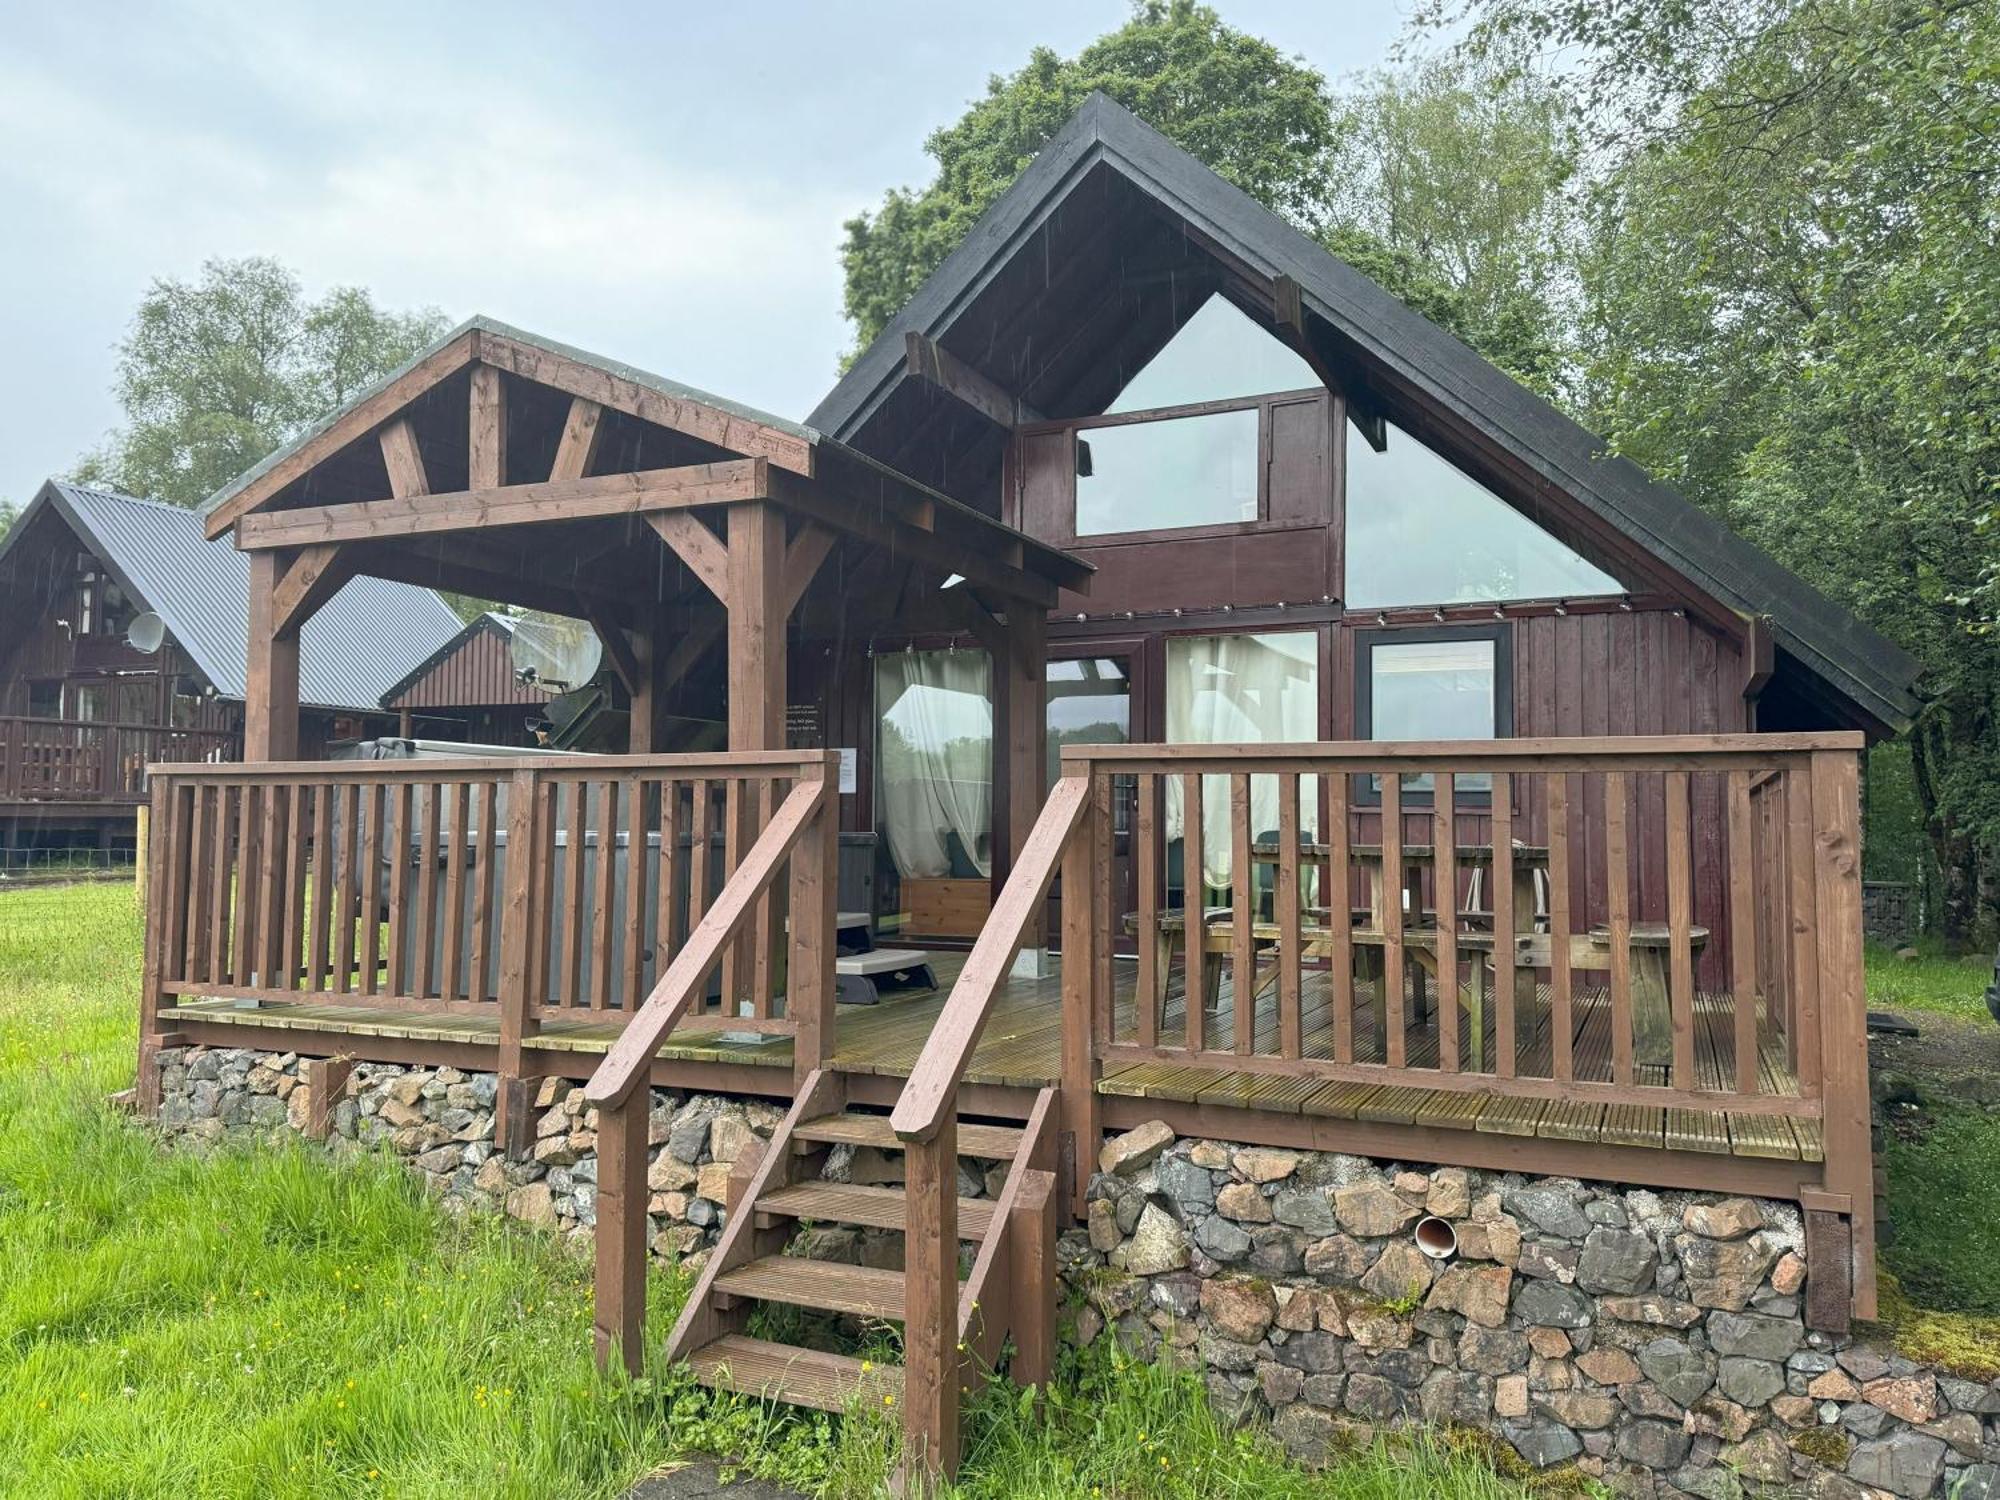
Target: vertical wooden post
1033	1263
1843	1014
809	983
1076	1153
1020	758
271	681
757	615
325	1082
930	1324
621	1231
652	650
513	1122
152	862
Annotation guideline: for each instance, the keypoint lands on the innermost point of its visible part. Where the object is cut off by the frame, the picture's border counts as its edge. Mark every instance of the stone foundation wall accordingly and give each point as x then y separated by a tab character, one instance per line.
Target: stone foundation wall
1652	1340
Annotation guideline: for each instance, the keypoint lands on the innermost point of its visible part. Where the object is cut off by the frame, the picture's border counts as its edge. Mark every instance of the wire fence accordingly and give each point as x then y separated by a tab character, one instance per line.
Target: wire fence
66	864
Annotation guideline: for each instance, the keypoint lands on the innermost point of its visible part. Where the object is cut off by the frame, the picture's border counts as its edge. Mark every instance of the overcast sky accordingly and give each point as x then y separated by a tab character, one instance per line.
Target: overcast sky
661	184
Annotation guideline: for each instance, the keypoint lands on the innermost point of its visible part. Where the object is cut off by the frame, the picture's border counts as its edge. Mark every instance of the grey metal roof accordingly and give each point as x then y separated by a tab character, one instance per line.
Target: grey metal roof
1401	347
363	639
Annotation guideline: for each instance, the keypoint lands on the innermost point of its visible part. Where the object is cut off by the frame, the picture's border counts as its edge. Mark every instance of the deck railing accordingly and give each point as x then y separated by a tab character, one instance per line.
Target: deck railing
1659	929
545	894
79	760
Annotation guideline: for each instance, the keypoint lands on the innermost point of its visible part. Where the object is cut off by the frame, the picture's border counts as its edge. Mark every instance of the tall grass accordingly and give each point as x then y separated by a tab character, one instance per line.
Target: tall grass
269	1321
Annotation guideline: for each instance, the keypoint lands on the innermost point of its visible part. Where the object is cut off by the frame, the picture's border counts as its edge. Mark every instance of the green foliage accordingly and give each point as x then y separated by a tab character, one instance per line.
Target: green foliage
216	373
1943	1182
9	514
1259	118
1935	981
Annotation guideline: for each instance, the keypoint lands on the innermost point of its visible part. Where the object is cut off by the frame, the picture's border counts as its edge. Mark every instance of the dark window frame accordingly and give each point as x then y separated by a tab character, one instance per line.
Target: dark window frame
1077	429
1501	634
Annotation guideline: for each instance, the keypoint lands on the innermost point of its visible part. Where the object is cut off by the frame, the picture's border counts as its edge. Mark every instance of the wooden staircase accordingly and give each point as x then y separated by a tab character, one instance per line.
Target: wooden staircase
775	1191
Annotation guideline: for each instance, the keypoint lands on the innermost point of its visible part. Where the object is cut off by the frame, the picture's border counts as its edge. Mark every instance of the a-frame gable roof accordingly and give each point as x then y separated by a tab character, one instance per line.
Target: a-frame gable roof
1393	359
367	636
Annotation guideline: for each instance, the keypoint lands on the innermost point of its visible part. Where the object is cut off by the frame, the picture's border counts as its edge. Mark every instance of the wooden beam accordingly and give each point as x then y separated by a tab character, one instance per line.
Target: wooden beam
405	563
1758	654
510	505
356	423
1288	316
926	359
692	646
756	627
487	444
694	544
314	577
579	440
920	545
683	412
271	678
618	649
808	549
404	460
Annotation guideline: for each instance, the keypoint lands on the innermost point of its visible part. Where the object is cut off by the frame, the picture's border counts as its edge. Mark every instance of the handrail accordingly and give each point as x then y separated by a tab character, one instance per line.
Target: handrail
625	1066
734	763
927	1097
120	725
1526	756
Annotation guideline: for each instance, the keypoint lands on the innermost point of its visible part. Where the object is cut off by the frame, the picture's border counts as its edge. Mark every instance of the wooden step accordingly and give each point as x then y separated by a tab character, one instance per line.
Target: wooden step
783	1372
876	1207
825	1285
993	1142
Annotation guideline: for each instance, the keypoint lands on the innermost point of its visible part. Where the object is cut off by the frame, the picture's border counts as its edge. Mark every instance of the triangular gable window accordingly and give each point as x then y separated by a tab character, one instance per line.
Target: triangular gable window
1421	531
1217	355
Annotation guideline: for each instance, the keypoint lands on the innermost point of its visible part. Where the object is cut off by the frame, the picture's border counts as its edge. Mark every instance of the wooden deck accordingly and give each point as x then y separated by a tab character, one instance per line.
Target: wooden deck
1021	1050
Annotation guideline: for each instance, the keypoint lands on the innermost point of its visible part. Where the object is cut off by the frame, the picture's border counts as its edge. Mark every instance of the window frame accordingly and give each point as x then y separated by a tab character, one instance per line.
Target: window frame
1364	792
1074	429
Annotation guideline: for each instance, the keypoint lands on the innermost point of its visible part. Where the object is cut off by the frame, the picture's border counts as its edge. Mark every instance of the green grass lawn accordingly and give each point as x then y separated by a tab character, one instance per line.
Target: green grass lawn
271	1322
1932	981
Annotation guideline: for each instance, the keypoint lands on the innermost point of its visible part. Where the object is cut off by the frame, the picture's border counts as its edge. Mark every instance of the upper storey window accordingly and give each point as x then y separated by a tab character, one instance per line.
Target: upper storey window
1218	355
1421	531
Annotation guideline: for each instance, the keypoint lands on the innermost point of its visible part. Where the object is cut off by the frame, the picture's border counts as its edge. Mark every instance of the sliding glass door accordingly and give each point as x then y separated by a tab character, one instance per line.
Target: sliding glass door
934	790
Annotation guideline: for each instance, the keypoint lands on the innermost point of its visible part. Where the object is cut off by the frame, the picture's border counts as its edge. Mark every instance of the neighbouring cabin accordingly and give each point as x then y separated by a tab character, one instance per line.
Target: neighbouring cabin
470	690
1266	716
121	644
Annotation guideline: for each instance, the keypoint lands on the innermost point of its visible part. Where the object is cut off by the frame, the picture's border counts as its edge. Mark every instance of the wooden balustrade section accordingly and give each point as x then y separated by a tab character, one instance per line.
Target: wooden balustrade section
528	891
80	760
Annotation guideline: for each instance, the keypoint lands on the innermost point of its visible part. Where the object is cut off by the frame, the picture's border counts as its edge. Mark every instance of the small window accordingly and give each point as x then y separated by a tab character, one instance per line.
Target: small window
1216	355
1433	685
1182	471
1421	531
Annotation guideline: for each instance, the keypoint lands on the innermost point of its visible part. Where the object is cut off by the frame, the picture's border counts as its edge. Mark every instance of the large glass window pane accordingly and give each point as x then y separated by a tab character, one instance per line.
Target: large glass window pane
934	763
1183	471
1089	703
1240	690
1217	355
1433	690
1419	531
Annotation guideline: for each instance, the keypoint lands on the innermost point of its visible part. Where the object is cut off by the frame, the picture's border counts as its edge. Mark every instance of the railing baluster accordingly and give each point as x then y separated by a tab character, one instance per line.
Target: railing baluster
1618	905
180	803
1291	1023
372	799
764	925
1194	915
322	886
1505	973
1146	856
1242	917
453	968
400	826
1444	868
347	877
665	905
245	889
431	799
295	886
699	854
606	895
1680	922
1562	1029
633	991
573	895
483	893
1339	897
1389	998
201	879
735	799
1743	932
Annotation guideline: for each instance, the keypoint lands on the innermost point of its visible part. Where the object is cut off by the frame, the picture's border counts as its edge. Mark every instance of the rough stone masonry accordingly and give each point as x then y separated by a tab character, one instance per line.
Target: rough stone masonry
1652	1340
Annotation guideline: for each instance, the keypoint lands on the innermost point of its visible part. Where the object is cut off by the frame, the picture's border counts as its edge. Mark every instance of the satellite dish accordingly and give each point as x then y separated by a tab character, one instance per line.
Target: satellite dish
146	632
556	653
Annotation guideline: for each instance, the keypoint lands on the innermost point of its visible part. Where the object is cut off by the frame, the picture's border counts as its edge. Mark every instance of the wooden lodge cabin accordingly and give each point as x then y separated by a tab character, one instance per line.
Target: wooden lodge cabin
467	690
83	711
1150	545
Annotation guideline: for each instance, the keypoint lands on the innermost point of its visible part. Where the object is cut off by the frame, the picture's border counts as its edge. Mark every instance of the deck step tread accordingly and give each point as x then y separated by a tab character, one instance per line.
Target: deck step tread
784	1372
874	1207
827	1286
993	1142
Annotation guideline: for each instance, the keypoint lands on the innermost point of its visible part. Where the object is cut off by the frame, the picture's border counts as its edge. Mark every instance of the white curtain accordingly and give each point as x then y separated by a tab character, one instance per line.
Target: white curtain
935	759
1241	690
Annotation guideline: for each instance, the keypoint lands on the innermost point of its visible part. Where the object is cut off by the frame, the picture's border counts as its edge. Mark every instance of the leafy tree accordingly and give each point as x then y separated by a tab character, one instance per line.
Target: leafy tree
218	372
1461	167
1792	310
9	514
1259	118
